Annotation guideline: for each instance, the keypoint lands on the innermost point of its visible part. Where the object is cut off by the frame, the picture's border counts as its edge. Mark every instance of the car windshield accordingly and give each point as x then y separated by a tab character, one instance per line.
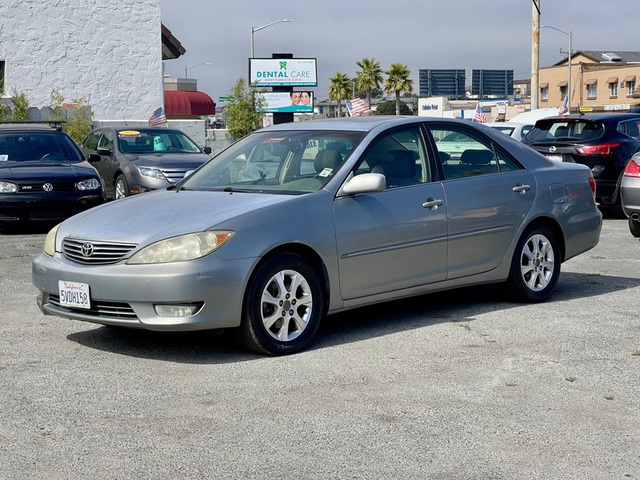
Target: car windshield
42	147
155	141
289	162
562	130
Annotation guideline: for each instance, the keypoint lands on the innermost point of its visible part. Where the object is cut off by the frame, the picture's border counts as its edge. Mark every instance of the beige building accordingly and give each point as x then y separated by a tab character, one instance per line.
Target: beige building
600	81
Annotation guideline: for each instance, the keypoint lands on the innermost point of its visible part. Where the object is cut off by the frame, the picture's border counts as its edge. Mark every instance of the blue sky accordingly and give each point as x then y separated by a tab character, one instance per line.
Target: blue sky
435	34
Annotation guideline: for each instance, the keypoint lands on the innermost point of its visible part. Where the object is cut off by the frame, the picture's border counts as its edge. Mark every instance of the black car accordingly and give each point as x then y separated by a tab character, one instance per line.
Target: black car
604	142
44	176
138	159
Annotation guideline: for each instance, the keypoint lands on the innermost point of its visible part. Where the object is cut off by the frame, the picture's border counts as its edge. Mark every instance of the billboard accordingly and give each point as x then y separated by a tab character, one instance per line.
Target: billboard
447	83
296	102
283	72
492	82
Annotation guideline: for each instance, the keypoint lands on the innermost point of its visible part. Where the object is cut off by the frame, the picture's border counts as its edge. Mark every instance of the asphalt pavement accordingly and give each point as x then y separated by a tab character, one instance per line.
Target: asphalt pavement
456	385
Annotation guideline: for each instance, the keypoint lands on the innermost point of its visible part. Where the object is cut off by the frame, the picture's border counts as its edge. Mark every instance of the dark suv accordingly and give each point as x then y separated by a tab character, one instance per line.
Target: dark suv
44	176
604	142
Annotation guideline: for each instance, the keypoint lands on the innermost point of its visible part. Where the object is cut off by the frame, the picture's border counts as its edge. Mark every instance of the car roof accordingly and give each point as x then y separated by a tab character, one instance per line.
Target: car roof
30	127
595	116
138	128
364	124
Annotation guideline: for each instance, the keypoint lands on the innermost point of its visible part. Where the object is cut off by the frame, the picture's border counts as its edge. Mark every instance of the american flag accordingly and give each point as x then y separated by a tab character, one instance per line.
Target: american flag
479	116
357	107
564	108
157	117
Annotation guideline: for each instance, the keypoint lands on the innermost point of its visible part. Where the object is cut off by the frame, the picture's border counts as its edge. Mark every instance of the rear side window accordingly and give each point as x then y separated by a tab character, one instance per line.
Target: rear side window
565	130
630	128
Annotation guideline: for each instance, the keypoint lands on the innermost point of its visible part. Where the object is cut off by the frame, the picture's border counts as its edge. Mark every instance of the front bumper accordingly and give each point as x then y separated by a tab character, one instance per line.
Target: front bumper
49	208
125	295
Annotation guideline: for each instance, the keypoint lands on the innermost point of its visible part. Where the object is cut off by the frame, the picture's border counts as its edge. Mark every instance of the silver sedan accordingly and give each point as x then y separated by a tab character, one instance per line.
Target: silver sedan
301	220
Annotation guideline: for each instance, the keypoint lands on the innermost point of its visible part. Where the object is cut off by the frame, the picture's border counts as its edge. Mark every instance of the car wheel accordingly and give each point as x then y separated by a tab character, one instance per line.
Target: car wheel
634	227
535	267
283	306
121	187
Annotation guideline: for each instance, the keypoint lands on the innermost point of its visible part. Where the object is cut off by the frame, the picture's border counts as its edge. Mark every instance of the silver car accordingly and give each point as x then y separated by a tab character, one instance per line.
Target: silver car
630	194
301	220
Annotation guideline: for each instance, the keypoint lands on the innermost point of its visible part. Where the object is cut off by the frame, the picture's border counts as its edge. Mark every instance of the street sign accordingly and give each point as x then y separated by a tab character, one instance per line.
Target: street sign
226	99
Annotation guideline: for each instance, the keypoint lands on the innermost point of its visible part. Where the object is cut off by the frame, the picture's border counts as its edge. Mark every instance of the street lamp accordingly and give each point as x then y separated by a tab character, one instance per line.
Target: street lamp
570	35
256	29
186	69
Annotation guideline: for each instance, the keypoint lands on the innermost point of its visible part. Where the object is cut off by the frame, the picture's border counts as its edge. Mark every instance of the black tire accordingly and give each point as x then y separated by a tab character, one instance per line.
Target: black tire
535	267
634	227
121	187
283	306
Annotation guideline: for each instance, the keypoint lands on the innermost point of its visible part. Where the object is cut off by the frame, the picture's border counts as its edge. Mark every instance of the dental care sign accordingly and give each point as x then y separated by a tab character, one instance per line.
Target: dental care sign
283	72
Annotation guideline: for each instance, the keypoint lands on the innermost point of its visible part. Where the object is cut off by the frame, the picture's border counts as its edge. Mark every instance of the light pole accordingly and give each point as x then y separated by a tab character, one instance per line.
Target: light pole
257	29
186	69
570	35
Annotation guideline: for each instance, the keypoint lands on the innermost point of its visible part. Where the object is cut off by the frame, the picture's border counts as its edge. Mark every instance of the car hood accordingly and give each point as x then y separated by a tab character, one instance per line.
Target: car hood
148	217
29	172
168	160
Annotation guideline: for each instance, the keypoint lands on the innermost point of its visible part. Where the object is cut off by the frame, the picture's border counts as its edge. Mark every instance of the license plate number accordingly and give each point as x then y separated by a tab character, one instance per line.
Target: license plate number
74	294
555	158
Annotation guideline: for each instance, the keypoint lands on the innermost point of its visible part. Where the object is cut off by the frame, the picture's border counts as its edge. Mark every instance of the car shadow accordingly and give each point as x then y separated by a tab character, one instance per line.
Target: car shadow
452	306
21	228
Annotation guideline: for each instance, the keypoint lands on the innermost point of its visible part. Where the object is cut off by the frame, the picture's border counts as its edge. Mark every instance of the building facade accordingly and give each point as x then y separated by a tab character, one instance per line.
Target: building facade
108	54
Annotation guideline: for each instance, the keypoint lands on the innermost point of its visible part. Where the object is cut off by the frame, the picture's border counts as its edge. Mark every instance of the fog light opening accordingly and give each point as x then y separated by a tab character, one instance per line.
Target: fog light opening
177	311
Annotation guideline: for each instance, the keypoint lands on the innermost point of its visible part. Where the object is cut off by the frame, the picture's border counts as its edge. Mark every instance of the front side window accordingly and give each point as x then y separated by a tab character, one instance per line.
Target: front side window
464	153
106	141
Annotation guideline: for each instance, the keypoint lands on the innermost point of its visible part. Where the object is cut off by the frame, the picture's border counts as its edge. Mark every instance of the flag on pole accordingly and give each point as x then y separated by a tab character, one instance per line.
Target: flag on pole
479	116
564	109
357	107
157	117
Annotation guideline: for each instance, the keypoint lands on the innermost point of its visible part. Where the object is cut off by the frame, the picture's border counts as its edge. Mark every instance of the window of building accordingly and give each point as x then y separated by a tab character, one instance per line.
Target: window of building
613	87
563	91
592	90
544	94
631	86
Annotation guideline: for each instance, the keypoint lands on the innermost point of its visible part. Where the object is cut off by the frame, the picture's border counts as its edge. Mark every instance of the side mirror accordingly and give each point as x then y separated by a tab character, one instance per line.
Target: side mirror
207	150
94	158
364	183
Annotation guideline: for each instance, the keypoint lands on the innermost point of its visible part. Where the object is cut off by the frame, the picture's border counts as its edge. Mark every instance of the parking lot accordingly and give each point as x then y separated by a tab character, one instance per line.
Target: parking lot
456	385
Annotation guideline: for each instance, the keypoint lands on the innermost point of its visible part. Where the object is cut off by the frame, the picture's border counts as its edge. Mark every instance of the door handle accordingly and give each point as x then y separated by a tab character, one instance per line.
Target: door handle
521	189
433	203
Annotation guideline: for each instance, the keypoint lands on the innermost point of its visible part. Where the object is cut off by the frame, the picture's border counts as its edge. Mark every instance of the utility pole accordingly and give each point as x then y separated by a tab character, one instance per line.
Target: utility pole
535	53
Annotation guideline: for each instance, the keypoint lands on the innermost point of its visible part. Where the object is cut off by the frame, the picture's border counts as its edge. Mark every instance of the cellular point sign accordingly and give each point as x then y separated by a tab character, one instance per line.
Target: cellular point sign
283	72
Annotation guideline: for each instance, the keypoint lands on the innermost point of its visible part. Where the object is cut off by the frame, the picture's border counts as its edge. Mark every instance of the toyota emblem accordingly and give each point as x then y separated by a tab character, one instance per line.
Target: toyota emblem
87	250
47	187
552	149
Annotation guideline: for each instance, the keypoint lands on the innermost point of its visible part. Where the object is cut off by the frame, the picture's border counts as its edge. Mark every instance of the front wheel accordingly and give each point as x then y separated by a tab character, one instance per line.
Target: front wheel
283	306
535	267
121	187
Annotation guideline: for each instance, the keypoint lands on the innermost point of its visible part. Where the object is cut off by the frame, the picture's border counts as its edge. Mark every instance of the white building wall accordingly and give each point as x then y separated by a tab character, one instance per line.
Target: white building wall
107	52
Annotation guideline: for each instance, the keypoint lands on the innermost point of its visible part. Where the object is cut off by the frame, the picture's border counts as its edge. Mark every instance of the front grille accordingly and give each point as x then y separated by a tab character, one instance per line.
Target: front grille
38	187
100	308
174	175
90	252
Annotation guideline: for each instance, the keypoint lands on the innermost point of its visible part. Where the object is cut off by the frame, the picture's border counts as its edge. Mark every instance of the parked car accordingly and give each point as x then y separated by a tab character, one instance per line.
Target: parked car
630	194
356	211
44	176
139	159
516	130
603	141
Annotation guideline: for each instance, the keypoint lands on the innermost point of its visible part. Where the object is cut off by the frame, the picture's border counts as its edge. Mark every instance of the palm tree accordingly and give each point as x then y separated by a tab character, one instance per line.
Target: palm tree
339	88
398	82
369	77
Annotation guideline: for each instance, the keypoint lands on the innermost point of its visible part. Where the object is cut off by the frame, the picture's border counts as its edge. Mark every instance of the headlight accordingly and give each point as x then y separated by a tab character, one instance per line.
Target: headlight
8	187
50	241
152	172
89	184
182	248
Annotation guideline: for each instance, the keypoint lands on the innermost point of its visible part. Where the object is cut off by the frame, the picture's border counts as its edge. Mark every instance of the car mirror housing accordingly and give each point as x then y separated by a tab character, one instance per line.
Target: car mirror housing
93	158
364	183
207	150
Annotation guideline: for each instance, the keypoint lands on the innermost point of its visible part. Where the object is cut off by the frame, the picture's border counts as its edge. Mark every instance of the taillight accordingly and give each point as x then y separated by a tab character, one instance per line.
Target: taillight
592	184
633	169
602	149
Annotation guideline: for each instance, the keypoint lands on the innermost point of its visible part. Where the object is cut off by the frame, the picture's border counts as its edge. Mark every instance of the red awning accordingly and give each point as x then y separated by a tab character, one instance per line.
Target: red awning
188	103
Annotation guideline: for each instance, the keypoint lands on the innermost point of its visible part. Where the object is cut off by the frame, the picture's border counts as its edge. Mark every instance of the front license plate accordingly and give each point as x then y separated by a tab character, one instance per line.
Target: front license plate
74	294
555	158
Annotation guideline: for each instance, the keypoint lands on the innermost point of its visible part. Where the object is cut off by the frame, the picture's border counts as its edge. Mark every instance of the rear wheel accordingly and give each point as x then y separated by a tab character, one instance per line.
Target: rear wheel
535	267
121	187
283	306
634	227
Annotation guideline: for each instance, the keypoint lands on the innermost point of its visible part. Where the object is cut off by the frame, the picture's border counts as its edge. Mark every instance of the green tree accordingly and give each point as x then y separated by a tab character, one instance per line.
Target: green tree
398	82
243	115
339	89
20	107
369	77
77	117
389	108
